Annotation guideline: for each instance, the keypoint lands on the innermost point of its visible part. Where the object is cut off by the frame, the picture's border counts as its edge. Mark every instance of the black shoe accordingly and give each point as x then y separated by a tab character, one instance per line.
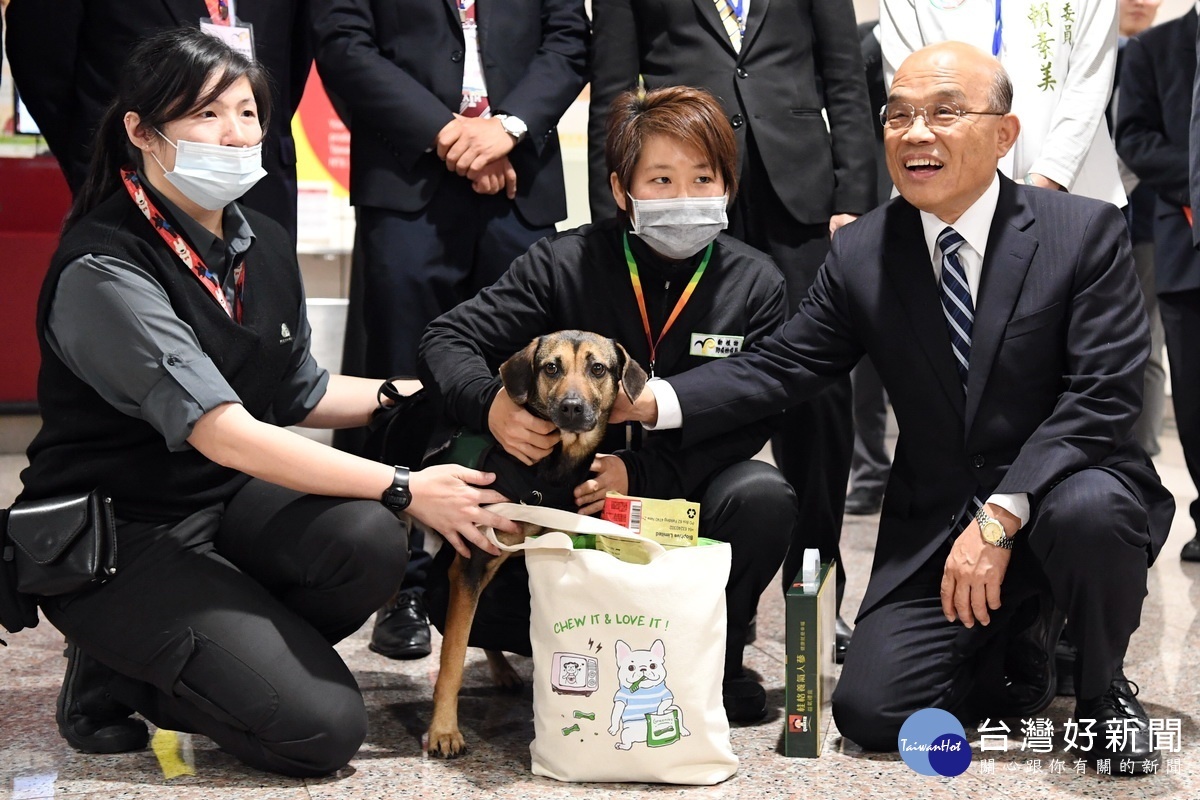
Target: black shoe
1191	550
88	718
1131	753
1065	654
842	634
1030	671
402	628
863	502
745	699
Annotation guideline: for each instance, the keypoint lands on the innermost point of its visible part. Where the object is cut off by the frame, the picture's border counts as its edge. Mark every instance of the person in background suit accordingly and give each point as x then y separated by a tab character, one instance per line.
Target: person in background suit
1152	139
1008	329
871	461
1194	155
455	170
67	58
778	67
1136	16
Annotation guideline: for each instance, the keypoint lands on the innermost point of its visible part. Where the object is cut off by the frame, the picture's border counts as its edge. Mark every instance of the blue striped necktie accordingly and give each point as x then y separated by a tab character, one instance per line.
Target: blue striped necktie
956	301
960	318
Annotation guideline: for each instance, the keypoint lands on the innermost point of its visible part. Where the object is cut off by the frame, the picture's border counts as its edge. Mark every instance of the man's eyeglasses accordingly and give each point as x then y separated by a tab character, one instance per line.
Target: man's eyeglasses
900	116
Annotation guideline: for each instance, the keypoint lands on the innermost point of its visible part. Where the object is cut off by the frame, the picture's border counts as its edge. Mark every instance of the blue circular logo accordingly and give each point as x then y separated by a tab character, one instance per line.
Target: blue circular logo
933	742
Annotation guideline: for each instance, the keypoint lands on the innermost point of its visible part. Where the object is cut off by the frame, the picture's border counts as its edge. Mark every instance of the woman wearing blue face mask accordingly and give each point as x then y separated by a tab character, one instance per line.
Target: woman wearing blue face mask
174	345
676	292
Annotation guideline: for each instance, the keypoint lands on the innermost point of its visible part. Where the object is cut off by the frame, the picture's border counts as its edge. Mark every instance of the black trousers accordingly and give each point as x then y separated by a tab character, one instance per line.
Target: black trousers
871	464
749	505
224	623
1180	313
1087	544
814	445
418	265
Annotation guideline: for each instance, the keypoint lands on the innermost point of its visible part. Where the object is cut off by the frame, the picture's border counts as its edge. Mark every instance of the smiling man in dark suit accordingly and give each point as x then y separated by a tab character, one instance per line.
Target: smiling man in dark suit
67	57
1007	325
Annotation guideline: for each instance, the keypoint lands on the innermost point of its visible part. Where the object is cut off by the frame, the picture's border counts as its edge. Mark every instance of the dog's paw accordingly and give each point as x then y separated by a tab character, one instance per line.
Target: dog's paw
446	744
503	674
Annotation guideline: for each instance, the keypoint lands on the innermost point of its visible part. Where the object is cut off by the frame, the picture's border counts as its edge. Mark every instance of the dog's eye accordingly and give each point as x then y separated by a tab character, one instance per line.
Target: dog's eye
631	667
599	370
550	369
653	665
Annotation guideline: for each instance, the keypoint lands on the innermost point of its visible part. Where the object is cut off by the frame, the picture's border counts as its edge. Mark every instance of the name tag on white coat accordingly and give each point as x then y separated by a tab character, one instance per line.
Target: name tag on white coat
240	38
715	345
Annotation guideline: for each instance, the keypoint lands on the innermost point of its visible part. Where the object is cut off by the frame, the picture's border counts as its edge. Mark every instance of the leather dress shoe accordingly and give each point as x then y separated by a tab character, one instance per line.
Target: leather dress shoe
1191	550
1131	752
744	699
402	628
842	634
863	502
88	717
1030	671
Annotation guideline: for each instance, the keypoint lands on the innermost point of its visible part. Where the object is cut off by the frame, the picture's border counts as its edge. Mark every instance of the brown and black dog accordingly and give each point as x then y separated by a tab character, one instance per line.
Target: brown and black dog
570	378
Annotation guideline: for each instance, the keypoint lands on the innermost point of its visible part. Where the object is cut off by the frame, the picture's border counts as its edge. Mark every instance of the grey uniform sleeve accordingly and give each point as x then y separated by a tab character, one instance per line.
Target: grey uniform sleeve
305	382
113	326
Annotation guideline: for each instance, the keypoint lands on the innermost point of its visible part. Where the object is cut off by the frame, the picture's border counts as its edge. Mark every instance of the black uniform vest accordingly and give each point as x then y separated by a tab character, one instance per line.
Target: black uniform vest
85	443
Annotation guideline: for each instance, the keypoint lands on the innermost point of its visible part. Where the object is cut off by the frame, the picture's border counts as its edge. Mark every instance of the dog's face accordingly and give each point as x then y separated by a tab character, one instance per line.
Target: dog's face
641	668
572	378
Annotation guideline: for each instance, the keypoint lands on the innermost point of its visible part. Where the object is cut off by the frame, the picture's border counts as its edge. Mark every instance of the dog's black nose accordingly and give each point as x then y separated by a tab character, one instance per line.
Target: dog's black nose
571	408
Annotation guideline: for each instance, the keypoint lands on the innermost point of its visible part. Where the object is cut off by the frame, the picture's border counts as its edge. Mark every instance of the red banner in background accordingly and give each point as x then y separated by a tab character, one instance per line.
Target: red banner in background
322	141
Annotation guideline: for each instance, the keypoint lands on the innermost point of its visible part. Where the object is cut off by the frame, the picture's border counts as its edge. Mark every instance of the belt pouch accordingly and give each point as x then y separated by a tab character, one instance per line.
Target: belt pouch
63	544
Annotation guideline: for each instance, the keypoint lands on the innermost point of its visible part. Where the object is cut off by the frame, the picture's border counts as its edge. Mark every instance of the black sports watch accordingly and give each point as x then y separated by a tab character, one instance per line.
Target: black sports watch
397	497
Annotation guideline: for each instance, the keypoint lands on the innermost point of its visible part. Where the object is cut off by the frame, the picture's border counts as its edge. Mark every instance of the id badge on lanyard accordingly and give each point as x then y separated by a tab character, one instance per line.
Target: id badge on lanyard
222	24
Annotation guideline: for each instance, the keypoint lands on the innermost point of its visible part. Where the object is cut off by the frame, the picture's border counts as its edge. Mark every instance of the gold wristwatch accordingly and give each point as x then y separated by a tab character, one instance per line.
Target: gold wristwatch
992	531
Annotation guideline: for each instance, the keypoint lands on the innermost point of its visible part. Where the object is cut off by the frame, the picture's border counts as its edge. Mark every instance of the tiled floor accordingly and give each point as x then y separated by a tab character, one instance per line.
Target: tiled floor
1164	658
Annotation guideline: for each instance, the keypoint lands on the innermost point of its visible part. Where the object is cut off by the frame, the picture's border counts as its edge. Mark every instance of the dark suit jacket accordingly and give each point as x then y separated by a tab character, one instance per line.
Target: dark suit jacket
1059	346
1194	152
67	57
797	57
1152	139
398	66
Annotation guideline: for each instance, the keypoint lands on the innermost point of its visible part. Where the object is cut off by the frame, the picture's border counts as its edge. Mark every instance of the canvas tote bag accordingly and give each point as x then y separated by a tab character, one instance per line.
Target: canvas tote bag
628	653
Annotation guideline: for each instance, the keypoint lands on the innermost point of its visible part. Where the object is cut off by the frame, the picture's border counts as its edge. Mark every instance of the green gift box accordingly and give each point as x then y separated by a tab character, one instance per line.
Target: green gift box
810	610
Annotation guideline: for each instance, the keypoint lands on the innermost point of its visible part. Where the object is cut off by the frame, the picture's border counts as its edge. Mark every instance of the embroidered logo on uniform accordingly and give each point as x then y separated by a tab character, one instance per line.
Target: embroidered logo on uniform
715	345
285	335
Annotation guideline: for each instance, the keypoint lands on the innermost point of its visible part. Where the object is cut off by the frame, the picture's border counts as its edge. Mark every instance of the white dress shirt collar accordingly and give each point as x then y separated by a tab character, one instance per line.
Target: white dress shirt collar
973	225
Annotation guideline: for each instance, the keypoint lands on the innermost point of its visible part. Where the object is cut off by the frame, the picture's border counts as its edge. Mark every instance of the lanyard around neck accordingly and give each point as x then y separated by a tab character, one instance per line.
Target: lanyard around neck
738	9
179	246
688	290
997	32
219	12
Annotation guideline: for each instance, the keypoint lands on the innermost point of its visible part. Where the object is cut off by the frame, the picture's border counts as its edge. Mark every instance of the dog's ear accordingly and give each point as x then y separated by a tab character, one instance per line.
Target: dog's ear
633	377
517	373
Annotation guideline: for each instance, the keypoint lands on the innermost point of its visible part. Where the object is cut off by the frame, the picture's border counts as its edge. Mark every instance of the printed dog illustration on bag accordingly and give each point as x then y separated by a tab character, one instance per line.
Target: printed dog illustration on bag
644	709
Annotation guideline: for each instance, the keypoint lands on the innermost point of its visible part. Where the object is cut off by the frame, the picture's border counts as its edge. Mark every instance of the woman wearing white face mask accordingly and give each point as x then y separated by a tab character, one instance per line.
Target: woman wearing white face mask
174	345
676	292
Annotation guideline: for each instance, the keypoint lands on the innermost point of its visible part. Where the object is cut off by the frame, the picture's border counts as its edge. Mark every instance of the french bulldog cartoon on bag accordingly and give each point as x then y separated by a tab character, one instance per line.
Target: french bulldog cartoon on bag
644	709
